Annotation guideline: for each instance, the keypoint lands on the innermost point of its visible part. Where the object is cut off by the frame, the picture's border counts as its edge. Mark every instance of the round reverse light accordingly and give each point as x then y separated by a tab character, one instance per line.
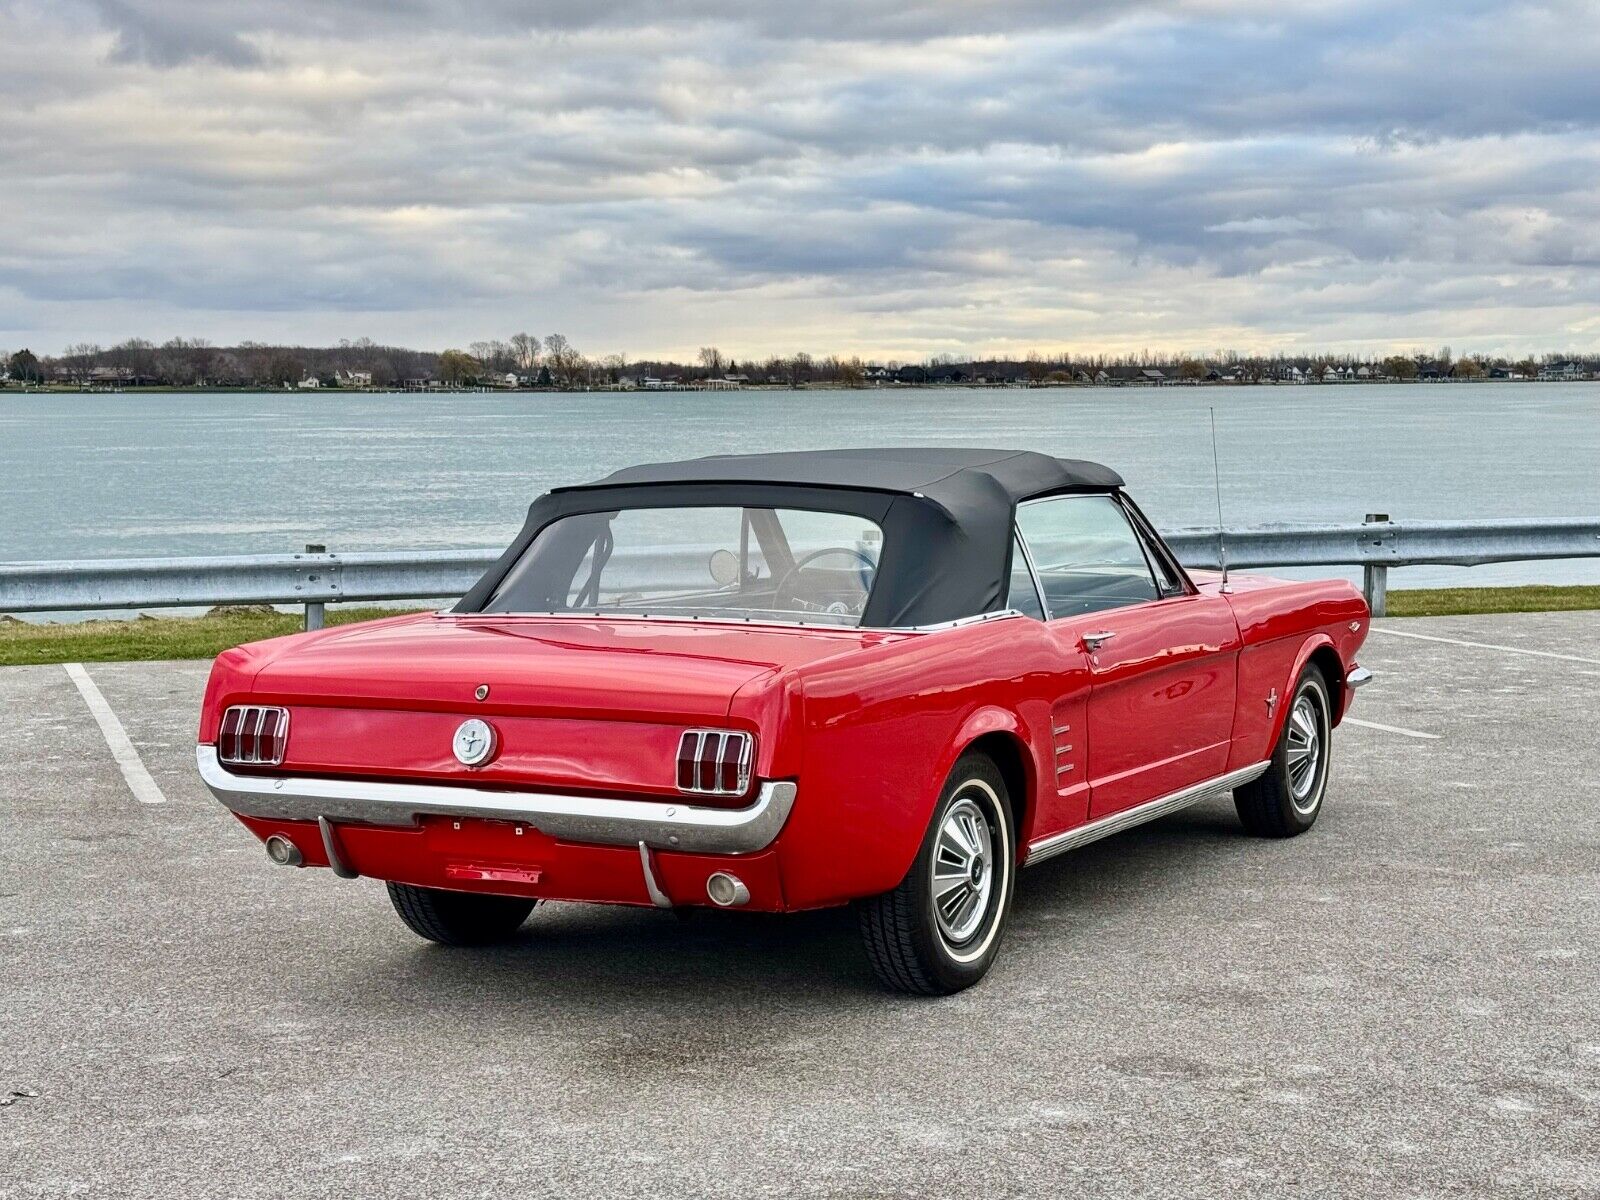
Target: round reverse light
474	742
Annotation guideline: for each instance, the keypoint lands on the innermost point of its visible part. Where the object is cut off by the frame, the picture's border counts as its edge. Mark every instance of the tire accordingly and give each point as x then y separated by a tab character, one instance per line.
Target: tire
459	918
914	946
1285	800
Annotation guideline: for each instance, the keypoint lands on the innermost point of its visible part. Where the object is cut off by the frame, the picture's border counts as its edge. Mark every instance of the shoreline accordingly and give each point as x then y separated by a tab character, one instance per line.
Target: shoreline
7	391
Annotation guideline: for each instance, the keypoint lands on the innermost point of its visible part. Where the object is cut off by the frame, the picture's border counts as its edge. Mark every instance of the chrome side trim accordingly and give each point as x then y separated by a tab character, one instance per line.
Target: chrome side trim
1082	835
663	824
330	847
999	614
1359	677
657	896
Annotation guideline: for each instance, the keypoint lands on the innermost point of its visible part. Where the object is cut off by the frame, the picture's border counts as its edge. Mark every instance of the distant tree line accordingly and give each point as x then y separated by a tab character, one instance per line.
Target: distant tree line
526	360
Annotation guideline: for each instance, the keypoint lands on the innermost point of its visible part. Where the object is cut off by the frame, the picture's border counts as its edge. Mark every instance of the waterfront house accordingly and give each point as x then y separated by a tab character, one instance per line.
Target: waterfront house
354	379
309	382
1562	372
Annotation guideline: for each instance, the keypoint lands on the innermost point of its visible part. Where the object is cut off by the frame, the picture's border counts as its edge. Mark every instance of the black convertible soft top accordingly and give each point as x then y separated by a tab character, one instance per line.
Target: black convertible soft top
945	474
946	513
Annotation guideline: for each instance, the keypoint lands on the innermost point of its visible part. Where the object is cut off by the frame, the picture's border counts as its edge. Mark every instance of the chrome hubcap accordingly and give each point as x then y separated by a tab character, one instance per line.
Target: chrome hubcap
963	871
1305	752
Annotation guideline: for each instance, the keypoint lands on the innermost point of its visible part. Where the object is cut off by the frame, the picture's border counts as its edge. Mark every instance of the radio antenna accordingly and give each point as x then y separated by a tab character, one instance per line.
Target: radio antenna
1216	476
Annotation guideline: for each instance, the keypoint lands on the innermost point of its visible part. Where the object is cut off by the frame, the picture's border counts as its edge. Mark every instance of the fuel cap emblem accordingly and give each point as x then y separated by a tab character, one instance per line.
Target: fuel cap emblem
474	742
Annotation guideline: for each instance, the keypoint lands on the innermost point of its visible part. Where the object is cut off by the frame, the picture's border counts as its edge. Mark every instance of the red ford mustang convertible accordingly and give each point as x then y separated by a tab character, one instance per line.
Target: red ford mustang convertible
880	677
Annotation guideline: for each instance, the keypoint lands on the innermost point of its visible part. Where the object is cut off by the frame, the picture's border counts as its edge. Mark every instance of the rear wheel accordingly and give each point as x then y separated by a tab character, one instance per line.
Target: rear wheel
938	932
1287	797
458	918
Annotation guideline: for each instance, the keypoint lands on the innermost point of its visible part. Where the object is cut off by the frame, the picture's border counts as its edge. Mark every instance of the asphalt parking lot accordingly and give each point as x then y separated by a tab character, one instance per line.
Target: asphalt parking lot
1403	1003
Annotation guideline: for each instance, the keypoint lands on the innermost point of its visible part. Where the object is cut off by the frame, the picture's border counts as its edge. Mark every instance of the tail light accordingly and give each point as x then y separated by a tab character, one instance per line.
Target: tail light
715	762
253	735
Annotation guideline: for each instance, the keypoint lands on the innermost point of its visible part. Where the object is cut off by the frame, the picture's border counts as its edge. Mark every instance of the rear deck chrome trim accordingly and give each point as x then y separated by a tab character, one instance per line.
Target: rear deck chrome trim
751	622
661	824
1082	835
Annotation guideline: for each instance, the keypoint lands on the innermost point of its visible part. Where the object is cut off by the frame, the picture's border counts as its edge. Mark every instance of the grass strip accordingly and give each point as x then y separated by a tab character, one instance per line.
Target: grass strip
26	643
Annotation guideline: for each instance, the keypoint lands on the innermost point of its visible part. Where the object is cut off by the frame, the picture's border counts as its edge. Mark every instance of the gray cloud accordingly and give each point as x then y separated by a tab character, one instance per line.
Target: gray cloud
847	174
159	35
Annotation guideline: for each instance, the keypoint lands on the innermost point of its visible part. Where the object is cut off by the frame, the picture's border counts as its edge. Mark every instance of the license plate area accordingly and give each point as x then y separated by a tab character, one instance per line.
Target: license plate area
475	848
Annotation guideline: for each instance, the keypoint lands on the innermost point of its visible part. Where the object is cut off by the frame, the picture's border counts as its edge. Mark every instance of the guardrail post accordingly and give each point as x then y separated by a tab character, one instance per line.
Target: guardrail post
1375	576
314	610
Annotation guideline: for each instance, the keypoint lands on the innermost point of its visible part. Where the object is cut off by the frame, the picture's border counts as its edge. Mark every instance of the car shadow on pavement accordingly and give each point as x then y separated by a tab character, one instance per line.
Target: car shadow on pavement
582	957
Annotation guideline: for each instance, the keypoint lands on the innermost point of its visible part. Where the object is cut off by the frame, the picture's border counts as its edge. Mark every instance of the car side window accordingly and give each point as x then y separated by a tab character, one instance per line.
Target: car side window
1086	553
1167	581
1022	595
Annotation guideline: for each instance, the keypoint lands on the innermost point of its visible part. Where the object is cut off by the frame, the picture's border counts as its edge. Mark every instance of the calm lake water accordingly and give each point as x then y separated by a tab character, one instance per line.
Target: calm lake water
99	476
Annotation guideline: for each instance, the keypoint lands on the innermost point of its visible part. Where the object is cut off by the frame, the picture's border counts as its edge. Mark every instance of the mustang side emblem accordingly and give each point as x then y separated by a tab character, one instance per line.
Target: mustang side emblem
473	743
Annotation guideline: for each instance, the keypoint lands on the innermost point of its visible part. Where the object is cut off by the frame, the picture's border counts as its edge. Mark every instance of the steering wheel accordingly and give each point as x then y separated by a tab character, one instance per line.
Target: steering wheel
786	595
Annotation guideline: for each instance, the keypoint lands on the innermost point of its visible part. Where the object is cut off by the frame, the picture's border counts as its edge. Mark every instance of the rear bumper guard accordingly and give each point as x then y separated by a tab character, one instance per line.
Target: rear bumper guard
659	824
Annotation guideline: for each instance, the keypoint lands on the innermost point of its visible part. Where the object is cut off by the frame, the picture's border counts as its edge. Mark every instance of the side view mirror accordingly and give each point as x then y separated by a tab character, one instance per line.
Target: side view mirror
724	567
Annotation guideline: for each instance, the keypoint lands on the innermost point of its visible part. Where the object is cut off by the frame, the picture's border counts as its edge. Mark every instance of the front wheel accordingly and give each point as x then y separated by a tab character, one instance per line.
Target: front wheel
458	918
938	932
1287	797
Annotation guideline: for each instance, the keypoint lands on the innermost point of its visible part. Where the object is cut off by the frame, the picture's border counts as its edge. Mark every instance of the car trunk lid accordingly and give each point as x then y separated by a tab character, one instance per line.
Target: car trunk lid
592	704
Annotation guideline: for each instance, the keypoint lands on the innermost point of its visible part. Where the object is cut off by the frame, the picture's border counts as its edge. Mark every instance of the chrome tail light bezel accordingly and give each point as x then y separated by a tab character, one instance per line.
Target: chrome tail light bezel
253	735
715	762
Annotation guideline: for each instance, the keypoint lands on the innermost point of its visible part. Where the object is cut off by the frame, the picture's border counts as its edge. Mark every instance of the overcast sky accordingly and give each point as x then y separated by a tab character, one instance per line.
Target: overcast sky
892	178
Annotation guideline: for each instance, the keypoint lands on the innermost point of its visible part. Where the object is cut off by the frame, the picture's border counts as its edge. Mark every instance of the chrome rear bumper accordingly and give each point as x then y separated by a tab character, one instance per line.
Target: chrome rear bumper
1359	677
661	824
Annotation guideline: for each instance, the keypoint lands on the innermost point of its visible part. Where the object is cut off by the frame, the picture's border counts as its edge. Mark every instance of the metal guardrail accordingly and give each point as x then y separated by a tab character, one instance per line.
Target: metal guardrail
316	578
1379	543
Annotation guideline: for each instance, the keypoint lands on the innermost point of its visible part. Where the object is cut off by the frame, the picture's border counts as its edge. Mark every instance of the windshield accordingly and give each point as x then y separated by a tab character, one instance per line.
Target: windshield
727	561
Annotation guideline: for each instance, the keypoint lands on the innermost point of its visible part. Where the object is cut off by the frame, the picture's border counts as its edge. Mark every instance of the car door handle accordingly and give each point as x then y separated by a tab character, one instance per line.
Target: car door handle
1093	641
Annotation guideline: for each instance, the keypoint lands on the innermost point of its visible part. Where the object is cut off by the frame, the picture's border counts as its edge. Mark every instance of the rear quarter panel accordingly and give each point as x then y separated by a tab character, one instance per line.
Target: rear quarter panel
1282	625
875	734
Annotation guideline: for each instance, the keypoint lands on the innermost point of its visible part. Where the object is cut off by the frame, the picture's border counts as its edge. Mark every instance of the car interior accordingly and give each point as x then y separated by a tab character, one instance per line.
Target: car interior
723	562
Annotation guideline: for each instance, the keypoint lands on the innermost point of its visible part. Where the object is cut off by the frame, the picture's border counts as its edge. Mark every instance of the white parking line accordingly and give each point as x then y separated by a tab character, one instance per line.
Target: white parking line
1428	637
1413	733
143	787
